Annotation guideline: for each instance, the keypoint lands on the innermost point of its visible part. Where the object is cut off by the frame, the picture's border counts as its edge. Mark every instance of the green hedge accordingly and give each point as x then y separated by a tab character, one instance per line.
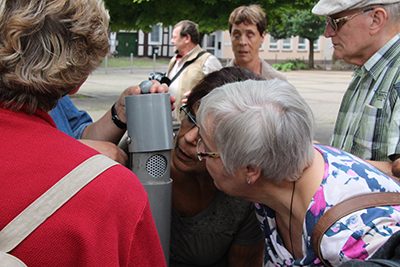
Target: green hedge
293	64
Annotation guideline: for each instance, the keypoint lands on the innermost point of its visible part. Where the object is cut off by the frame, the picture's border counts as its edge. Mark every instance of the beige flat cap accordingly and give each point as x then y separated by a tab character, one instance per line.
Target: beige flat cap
330	7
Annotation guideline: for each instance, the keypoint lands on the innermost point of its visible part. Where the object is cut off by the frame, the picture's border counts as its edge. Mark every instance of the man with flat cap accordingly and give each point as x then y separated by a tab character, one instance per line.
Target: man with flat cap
366	34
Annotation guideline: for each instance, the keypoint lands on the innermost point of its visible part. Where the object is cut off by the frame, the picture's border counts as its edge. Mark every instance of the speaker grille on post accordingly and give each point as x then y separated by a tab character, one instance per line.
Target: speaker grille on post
156	166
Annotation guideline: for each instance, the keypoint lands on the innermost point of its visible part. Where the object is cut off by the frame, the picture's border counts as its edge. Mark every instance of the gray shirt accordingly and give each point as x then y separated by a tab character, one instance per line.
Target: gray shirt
204	240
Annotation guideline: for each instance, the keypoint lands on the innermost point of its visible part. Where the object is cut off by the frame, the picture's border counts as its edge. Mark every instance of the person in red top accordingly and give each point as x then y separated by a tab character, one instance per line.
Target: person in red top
47	50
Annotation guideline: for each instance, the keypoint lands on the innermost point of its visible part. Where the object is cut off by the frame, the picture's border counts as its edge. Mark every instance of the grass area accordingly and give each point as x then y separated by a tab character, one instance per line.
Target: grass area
120	62
78	96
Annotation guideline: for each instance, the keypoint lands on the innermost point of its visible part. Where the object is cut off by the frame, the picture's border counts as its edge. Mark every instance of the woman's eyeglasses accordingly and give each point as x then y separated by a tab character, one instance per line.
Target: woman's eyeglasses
201	153
190	122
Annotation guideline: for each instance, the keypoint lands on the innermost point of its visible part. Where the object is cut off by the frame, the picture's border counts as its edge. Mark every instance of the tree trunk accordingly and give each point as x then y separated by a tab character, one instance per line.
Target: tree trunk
310	54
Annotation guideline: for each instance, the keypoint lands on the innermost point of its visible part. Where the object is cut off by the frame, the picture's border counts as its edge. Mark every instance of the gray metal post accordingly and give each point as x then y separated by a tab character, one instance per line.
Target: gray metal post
131	62
154	62
150	140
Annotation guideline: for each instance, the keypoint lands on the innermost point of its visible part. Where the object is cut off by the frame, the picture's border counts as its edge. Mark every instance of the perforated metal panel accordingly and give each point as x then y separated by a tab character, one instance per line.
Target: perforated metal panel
156	166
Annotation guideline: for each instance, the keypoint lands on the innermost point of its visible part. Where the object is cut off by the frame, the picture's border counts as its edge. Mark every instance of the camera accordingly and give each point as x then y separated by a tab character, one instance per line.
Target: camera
160	77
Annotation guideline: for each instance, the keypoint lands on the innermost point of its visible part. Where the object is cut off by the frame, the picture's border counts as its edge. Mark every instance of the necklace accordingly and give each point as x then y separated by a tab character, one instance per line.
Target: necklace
290	220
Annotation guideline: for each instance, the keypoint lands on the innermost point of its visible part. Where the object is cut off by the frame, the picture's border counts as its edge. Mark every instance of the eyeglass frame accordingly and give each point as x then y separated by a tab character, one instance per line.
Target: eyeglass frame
202	155
334	22
190	117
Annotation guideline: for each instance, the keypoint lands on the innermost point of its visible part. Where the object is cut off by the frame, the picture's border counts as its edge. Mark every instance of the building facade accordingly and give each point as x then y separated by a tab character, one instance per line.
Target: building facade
218	43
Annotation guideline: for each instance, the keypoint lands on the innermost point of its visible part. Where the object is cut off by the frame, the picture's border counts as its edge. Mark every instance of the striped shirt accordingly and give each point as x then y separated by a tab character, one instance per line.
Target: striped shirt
369	116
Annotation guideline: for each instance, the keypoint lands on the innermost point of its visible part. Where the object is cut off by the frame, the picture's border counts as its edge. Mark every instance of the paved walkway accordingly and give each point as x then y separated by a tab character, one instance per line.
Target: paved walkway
323	91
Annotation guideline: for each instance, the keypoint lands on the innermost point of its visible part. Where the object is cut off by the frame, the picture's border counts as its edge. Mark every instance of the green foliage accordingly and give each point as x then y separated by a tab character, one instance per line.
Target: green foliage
123	62
302	66
307	25
277	66
302	23
281	29
211	15
288	66
293	64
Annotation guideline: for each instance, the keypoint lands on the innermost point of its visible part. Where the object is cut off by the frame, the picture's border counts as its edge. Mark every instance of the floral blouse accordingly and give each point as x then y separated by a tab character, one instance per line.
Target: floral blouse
355	236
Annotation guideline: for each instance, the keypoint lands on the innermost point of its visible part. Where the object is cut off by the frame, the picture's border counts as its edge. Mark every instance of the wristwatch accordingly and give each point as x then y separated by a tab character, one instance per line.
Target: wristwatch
116	120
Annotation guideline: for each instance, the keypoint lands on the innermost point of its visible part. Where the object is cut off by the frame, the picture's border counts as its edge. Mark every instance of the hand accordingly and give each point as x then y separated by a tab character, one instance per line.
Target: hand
107	149
186	95
135	90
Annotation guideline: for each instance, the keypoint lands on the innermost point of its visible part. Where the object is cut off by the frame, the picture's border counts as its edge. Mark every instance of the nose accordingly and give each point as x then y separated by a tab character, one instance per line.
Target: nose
192	136
243	40
329	31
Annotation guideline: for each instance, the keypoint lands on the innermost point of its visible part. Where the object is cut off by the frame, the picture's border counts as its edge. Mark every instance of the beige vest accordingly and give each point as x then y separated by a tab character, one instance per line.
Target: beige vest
190	76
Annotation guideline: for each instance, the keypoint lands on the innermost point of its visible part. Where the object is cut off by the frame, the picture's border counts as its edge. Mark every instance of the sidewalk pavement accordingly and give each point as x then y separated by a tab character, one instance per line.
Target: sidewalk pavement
323	91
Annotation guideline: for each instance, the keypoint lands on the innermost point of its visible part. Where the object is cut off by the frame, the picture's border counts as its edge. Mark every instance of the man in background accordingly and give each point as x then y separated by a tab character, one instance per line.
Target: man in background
366	34
186	39
247	26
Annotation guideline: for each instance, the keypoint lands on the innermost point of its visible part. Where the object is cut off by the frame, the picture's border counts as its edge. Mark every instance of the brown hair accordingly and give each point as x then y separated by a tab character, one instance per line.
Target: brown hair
47	48
252	14
217	79
189	28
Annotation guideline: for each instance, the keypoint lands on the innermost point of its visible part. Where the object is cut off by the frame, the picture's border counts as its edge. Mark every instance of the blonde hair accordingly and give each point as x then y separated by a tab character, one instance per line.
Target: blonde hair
252	14
48	48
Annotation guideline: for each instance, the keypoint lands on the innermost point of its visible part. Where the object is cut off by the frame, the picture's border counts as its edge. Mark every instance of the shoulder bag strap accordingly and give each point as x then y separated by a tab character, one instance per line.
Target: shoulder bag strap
187	63
345	208
43	207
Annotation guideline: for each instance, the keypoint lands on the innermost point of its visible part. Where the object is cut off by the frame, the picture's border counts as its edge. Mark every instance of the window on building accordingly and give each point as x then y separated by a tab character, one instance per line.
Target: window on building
302	44
155	37
209	41
287	44
273	44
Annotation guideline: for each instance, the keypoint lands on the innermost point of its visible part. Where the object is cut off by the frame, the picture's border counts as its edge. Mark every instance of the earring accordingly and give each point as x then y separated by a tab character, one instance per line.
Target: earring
248	181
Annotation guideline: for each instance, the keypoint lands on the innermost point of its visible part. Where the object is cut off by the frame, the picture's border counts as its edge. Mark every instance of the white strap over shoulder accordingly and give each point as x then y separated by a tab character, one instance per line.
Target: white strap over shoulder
48	203
8	260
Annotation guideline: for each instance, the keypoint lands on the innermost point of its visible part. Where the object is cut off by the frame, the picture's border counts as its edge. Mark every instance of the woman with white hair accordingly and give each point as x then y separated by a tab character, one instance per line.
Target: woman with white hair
257	139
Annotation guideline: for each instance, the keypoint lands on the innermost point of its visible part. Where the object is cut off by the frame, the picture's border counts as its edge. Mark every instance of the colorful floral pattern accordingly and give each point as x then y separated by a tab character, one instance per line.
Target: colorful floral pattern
356	236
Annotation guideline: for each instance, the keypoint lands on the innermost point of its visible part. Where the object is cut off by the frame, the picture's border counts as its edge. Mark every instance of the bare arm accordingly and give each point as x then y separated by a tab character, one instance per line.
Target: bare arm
396	168
389	168
252	256
383	166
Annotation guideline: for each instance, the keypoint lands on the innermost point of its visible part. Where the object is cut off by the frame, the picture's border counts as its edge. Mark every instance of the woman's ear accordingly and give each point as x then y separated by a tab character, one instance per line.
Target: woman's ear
252	174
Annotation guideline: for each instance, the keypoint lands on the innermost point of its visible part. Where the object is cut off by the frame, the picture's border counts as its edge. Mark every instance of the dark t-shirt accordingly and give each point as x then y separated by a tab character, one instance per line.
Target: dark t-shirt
204	239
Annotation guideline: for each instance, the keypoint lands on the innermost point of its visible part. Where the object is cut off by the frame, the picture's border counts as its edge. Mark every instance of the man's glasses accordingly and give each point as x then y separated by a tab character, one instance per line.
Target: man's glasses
335	22
201	153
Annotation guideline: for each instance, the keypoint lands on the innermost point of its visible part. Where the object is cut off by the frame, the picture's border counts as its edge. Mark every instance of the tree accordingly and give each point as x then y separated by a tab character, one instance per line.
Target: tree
309	26
211	15
303	24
